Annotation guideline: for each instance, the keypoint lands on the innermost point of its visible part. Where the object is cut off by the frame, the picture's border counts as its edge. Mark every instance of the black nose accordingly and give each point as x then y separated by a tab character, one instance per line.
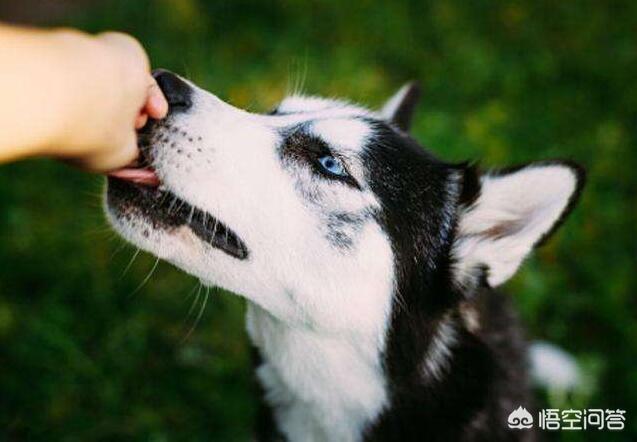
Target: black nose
177	92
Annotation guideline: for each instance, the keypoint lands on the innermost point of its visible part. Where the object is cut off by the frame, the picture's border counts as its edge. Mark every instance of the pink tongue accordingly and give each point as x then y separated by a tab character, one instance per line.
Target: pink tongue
147	177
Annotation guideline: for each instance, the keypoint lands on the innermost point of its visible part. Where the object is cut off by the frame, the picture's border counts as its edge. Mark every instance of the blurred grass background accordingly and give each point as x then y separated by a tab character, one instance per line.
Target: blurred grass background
82	358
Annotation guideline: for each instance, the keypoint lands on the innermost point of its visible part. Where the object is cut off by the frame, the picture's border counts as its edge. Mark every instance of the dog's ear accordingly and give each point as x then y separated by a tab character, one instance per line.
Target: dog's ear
399	109
509	212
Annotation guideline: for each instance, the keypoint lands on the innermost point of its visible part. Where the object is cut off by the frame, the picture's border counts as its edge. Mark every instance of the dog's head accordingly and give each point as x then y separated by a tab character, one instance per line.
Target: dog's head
317	210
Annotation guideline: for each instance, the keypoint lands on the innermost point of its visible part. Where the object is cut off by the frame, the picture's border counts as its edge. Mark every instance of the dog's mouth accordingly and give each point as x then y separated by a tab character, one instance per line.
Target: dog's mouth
138	190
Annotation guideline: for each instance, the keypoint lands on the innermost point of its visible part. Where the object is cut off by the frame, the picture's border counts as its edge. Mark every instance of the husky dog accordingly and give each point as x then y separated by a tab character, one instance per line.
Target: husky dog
368	264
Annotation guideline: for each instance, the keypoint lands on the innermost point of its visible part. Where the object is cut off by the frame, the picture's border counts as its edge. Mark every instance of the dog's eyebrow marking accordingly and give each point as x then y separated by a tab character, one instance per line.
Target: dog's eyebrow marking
299	141
308	104
309	107
350	134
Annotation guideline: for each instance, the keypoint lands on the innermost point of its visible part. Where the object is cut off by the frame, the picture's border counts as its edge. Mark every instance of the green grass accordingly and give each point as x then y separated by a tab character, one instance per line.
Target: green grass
505	82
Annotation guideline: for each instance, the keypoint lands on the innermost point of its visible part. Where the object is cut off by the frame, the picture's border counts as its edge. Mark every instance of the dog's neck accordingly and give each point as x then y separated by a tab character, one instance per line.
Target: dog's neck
320	387
342	387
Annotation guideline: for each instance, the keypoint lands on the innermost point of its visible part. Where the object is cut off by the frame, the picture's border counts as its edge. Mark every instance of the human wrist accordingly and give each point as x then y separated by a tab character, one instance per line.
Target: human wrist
82	74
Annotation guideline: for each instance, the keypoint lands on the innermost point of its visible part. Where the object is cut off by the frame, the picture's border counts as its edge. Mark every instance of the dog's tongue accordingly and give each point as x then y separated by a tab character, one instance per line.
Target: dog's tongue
147	177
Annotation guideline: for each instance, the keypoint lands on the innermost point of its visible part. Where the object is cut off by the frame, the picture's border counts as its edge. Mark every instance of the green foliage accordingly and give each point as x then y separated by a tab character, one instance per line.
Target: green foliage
82	359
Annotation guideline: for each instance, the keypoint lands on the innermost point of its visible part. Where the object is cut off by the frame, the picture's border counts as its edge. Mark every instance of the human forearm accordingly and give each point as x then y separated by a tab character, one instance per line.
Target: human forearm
71	95
37	86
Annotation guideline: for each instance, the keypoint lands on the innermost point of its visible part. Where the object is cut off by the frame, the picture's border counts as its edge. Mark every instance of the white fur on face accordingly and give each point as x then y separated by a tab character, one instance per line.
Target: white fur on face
511	215
302	106
319	276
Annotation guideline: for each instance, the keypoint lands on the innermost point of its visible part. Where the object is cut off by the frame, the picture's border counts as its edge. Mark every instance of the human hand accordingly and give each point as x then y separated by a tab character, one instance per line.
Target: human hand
116	96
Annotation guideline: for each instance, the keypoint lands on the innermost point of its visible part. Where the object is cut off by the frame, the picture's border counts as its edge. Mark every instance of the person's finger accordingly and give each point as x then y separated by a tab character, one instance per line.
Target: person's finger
156	104
111	160
141	120
125	156
124	42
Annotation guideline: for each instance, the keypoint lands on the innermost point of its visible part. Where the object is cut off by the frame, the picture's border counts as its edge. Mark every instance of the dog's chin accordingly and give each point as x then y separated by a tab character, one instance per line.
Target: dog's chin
154	210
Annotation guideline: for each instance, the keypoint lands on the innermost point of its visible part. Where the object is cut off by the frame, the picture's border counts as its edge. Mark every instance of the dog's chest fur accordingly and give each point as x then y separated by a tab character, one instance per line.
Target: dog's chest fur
319	387
460	387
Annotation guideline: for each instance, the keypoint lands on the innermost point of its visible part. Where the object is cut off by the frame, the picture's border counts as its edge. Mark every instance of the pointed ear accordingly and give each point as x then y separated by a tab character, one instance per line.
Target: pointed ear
511	212
399	109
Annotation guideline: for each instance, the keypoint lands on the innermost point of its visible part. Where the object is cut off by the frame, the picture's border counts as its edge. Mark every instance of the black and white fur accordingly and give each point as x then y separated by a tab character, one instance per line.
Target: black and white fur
371	300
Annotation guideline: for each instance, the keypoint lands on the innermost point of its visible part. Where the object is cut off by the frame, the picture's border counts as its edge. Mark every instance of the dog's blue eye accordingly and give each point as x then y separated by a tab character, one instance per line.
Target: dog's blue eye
332	165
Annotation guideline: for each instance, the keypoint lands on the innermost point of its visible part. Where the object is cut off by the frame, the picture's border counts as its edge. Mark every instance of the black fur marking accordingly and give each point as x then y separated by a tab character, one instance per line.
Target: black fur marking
470	184
404	113
165	211
416	192
342	226
486	375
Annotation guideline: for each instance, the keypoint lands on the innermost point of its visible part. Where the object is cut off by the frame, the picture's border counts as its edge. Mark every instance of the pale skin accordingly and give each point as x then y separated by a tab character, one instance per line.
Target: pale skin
74	97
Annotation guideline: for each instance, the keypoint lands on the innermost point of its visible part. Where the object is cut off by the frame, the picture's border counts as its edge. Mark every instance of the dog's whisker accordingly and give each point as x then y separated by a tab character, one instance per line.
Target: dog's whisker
117	249
214	230
163	199
195	301
205	220
204	302
145	280
159	202
176	206
130	263
192	291
101	232
172	204
303	77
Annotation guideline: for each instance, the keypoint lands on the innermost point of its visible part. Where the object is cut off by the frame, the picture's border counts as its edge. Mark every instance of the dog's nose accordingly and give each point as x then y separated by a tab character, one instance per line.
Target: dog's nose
178	92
